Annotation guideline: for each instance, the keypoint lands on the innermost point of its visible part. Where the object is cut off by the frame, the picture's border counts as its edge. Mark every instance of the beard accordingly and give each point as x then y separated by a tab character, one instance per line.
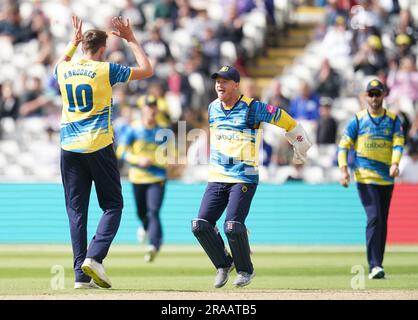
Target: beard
376	104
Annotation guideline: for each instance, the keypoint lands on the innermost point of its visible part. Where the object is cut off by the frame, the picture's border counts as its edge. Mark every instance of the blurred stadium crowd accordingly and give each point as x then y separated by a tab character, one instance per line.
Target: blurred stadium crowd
187	40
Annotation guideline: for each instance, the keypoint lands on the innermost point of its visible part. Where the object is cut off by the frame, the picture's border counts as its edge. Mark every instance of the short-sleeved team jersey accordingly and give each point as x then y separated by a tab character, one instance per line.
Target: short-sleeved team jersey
235	138
86	90
139	141
377	142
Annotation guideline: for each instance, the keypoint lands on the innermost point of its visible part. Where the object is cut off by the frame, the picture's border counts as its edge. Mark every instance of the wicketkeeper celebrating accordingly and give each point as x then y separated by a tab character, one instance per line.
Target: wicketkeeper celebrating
233	172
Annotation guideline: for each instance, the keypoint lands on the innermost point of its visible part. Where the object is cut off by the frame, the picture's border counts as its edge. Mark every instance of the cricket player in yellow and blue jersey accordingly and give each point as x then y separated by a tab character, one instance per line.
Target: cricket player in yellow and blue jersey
87	143
376	135
147	173
234	120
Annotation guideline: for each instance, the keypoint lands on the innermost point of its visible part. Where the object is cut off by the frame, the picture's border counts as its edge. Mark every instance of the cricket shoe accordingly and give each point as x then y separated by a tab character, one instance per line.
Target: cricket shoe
141	235
243	279
86	285
222	276
150	254
97	272
377	273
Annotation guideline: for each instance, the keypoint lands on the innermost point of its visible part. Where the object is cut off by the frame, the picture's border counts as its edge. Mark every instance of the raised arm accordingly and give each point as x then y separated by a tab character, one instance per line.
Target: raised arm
124	31
72	46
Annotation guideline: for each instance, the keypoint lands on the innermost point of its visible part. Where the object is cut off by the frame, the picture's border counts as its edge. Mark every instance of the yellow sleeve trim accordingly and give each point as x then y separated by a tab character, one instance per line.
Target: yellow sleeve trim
398	141
247	100
396	157
342	158
286	121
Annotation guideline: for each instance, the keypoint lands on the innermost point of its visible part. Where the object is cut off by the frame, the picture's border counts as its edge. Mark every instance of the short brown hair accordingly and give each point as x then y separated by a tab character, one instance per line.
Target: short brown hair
93	39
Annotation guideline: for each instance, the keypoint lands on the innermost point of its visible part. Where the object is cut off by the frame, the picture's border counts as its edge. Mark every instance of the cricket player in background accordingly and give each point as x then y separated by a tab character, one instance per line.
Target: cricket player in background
234	120
147	173
87	143
376	136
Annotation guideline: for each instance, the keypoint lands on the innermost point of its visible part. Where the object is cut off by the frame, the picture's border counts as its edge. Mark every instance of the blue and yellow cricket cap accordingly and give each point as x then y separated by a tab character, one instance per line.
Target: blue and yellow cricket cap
375	85
228	73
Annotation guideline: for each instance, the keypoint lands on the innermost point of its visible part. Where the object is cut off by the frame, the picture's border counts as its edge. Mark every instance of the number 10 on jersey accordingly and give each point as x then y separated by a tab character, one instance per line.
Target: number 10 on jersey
83	97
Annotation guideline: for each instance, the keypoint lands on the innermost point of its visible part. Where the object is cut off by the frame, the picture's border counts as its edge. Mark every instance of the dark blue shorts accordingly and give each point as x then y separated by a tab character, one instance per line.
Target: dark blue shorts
235	197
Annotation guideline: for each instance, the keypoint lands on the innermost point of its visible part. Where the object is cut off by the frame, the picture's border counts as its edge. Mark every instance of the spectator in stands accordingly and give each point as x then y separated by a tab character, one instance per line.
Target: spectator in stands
327	126
184	13
368	19
9	106
179	86
305	106
211	49
38	23
406	26
403	116
371	57
11	28
408	166
339	39
334	10
403	47
200	95
33	99
403	83
165	12
195	55
274	96
134	12
201	21
371	15
329	81
231	29
413	132
155	47
242	6
45	54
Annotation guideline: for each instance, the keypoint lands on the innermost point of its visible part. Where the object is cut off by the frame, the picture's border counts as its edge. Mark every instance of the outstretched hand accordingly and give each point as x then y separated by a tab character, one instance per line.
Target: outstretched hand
77	26
123	29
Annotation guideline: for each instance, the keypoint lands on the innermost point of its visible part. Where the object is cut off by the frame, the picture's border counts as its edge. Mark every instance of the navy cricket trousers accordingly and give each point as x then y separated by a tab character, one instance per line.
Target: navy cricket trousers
78	172
376	202
236	197
148	199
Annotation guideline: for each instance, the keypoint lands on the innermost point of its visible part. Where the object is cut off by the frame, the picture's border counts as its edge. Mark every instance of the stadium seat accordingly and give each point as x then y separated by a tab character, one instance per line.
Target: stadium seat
3	160
351	105
9	147
228	53
8	127
13	172
174	104
313	174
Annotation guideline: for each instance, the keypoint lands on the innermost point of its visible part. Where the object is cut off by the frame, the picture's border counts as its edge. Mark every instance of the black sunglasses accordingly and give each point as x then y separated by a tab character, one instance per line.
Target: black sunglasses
374	94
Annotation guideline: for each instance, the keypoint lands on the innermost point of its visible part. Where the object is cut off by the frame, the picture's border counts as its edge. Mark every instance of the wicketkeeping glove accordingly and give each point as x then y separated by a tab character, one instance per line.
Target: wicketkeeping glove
300	142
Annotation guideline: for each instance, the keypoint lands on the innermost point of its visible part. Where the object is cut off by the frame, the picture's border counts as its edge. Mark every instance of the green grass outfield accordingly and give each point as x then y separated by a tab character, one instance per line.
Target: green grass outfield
26	270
